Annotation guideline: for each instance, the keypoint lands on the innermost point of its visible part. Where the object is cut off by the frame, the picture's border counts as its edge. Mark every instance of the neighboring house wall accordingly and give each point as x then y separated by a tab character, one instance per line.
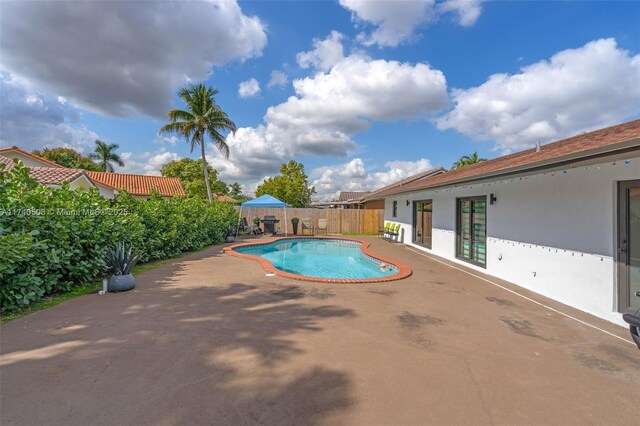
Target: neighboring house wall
554	235
81	184
26	160
105	191
374	205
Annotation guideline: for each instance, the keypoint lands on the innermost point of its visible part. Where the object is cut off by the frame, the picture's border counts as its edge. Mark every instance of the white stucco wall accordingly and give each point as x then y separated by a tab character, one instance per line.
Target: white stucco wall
555	235
26	160
105	191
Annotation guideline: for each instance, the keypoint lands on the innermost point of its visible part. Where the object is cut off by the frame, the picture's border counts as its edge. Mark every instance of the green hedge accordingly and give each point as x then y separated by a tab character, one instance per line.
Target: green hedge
53	239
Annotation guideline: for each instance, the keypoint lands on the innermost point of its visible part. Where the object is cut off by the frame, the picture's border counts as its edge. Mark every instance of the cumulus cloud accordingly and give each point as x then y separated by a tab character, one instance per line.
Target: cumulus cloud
325	53
249	88
576	90
33	120
146	163
124	58
329	108
396	22
354	176
467	11
278	79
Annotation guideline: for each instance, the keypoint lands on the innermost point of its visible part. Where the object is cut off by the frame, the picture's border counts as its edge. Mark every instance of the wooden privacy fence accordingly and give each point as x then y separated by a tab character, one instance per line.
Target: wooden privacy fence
339	221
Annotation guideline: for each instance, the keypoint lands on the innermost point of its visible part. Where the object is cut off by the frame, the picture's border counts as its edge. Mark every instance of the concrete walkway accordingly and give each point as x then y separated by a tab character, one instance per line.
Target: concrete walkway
210	339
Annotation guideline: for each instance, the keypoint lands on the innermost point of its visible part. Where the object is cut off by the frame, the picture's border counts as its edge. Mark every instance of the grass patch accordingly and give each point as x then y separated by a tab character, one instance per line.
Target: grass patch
52	300
81	290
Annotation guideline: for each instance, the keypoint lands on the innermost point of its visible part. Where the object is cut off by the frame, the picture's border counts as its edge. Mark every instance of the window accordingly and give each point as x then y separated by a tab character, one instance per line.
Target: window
422	211
471	230
395	209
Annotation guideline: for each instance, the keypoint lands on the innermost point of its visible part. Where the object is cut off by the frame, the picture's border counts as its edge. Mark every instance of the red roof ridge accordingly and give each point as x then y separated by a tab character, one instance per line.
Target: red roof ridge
29	154
131	174
139	184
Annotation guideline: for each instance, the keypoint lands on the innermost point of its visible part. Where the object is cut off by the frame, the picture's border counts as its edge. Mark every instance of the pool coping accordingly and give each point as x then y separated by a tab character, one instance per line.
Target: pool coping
404	270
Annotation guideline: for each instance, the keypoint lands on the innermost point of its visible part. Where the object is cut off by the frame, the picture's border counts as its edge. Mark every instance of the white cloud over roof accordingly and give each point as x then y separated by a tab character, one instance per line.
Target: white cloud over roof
581	89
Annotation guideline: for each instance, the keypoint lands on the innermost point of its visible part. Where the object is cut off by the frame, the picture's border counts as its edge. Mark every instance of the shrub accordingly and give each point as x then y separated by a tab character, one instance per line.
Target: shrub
52	239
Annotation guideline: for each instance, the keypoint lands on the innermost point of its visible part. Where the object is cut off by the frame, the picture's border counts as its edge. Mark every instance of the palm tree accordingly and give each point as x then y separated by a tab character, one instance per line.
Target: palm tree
104	154
202	117
466	160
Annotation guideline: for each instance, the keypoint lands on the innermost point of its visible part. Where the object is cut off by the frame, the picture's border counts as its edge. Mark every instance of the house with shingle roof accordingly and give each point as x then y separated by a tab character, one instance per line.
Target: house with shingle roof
108	184
561	219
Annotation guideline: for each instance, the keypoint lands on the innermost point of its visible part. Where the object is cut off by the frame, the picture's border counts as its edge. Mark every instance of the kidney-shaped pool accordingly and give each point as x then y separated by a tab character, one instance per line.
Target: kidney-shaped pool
322	259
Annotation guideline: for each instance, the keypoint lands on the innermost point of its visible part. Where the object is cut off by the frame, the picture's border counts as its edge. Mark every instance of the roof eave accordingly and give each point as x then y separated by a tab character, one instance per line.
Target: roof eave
612	149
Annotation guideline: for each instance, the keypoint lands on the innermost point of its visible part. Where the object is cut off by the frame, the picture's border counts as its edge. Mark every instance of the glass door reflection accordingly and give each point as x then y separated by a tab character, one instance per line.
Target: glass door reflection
422	222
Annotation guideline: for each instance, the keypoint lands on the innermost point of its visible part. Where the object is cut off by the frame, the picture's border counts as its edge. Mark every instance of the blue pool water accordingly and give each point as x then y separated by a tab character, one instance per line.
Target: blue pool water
320	258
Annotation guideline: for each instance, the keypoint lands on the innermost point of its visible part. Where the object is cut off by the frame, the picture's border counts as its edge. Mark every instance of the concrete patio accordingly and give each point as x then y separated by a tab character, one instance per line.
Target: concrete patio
209	339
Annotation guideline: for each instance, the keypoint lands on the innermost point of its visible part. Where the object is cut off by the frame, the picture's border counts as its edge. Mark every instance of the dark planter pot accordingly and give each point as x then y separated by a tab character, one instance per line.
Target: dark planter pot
295	228
119	283
231	239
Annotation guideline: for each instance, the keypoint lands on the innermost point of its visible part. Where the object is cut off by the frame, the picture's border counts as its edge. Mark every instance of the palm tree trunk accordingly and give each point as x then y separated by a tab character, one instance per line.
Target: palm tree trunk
206	172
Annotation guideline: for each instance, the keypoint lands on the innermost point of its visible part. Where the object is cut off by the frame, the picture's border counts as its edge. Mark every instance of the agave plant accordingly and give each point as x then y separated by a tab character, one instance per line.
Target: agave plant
120	260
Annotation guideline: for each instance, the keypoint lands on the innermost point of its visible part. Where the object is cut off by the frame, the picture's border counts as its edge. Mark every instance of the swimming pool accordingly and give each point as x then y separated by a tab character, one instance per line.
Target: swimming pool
322	259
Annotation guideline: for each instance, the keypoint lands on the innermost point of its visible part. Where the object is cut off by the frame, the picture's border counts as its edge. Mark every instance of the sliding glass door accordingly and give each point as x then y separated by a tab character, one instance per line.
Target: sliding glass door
471	230
629	244
422	212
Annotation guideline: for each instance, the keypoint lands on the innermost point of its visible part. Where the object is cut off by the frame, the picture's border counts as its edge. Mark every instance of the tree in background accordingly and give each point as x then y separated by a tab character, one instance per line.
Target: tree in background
68	157
235	191
467	160
290	186
190	174
201	118
105	154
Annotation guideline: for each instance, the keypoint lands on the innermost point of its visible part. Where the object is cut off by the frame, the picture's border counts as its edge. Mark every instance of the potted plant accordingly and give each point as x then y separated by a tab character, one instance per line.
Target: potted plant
231	234
256	221
120	262
294	222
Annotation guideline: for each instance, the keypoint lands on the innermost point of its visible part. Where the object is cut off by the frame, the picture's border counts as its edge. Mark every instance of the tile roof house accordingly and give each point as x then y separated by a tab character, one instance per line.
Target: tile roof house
139	185
53	176
108	184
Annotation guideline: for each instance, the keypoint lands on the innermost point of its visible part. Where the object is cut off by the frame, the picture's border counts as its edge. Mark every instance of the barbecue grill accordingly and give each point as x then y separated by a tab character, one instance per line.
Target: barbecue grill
269	224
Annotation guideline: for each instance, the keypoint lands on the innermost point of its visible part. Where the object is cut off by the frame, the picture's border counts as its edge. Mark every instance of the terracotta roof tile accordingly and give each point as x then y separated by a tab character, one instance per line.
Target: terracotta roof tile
8	163
570	149
54	176
139	184
28	154
46	175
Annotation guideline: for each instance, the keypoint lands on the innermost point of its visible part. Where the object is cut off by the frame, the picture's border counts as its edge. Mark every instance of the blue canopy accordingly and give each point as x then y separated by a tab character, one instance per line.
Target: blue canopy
265	200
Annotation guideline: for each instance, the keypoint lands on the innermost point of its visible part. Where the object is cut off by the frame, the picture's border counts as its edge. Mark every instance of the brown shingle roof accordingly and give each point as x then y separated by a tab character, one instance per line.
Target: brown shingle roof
224	197
139	184
28	154
418	176
346	196
599	142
